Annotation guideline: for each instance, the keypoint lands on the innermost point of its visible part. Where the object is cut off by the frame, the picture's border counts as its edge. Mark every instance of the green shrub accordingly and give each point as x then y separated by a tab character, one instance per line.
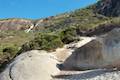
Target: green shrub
50	41
68	35
43	41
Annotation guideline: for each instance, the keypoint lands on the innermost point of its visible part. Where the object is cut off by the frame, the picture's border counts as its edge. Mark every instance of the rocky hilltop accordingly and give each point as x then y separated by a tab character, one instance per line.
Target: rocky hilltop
15	24
92	16
109	7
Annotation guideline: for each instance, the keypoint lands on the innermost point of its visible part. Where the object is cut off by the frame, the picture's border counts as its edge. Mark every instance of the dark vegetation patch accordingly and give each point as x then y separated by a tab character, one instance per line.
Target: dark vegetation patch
50	41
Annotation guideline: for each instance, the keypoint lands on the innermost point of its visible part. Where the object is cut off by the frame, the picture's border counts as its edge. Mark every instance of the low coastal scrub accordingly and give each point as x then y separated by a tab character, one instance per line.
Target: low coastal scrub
50	41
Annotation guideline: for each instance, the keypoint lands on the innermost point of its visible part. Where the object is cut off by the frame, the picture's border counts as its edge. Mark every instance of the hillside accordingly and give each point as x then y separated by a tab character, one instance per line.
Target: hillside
46	33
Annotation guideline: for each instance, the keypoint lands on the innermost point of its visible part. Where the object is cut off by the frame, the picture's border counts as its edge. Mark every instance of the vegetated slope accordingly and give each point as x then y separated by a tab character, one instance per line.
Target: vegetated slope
86	18
10	43
94	19
82	18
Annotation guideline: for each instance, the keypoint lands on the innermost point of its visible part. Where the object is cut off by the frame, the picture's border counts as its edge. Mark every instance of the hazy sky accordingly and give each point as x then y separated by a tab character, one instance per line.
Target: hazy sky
39	8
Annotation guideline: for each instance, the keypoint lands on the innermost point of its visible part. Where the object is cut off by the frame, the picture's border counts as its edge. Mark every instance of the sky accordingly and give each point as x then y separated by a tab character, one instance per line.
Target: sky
35	9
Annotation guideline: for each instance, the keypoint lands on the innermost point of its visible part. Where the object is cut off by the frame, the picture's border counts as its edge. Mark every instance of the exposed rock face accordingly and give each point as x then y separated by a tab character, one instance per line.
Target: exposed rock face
33	65
109	7
21	24
15	24
103	52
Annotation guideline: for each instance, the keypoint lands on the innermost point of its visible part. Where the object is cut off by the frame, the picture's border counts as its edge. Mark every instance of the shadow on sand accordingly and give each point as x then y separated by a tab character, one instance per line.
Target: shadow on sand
81	75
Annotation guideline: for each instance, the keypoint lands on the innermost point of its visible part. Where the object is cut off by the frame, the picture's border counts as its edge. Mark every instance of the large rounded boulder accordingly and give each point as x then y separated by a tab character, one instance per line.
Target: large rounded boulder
31	65
102	52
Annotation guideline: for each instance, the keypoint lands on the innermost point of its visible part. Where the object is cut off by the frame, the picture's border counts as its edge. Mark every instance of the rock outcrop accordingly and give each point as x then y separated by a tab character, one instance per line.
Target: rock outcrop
109	7
32	65
102	52
21	24
15	24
